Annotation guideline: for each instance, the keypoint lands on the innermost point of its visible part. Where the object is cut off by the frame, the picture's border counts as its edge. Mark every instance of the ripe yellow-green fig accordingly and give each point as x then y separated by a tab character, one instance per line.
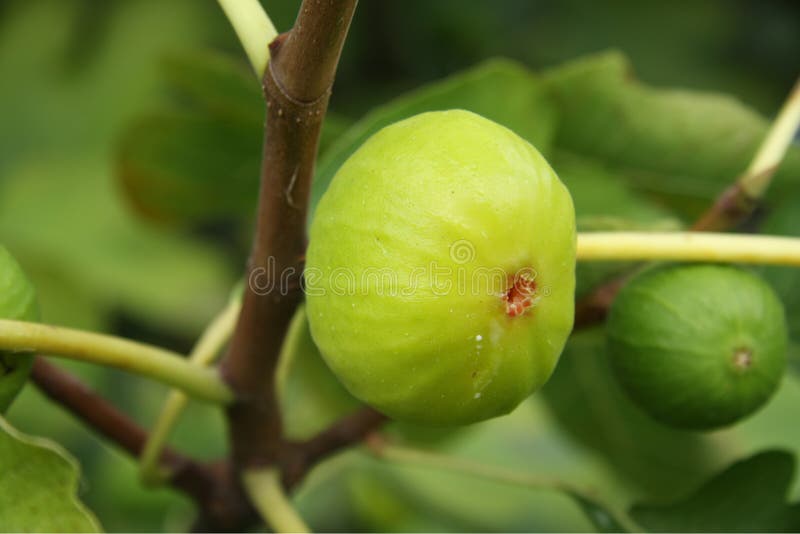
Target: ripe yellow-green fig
440	272
17	301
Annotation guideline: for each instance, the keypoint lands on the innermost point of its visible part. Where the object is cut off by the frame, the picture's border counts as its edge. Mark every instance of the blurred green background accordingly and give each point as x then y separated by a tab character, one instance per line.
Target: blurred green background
84	85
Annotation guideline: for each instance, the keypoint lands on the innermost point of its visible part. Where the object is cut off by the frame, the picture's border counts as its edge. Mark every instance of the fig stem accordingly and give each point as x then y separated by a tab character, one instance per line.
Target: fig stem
254	29
383	449
265	489
160	364
205	352
688	246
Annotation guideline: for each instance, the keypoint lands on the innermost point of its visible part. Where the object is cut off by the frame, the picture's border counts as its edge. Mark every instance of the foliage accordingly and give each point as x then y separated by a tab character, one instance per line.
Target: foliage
128	177
39	481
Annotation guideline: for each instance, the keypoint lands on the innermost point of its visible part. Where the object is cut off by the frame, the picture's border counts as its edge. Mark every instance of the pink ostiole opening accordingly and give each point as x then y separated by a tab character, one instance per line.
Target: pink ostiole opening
520	296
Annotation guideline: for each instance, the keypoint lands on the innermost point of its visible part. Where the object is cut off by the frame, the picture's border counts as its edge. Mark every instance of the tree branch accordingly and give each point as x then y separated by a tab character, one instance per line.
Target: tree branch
187	475
297	86
345	432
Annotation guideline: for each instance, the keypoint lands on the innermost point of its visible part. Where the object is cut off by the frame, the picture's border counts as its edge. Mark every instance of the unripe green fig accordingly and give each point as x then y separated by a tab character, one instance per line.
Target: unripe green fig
18	302
440	272
698	346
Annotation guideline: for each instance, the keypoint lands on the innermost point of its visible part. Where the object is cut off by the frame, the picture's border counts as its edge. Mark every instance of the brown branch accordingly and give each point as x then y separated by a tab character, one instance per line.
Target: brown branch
297	86
65	389
345	432
593	308
208	485
732	208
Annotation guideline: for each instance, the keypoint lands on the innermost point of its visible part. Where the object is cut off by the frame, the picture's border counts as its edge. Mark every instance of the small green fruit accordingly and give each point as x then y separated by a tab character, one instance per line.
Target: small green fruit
440	272
17	301
698	346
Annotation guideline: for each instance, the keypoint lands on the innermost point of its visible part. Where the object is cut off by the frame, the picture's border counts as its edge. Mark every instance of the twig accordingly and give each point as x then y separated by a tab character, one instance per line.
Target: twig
154	362
297	86
343	433
187	475
204	353
346	431
593	308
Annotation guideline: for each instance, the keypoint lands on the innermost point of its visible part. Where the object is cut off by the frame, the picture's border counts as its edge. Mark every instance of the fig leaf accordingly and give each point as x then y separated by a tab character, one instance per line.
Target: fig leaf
38	482
748	496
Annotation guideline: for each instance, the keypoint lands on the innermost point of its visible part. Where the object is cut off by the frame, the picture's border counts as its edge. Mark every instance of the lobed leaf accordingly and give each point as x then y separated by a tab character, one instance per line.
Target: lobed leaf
197	161
38	484
585	399
683	147
748	496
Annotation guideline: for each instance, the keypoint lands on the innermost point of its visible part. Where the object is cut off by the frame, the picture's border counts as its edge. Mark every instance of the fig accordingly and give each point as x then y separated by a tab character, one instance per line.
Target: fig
698	347
440	272
18	302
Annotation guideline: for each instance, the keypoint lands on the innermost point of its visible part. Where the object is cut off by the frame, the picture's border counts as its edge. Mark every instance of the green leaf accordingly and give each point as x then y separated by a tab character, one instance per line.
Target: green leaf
681	146
187	169
598	514
527	441
197	161
38	482
498	89
217	84
310	396
17	302
784	219
748	496
603	202
585	399
119	263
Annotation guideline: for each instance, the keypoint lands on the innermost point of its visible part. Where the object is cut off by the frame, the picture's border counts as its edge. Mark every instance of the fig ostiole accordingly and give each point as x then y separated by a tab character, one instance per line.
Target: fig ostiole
698	347
17	302
440	272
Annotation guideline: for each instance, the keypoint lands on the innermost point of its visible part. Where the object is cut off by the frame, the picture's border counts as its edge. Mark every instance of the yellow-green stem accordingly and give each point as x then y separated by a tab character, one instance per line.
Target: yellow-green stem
157	363
254	29
758	175
688	246
266	492
204	353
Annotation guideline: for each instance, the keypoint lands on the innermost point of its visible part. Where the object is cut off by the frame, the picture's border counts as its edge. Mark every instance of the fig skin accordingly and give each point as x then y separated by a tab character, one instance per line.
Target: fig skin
698	347
17	302
442	197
